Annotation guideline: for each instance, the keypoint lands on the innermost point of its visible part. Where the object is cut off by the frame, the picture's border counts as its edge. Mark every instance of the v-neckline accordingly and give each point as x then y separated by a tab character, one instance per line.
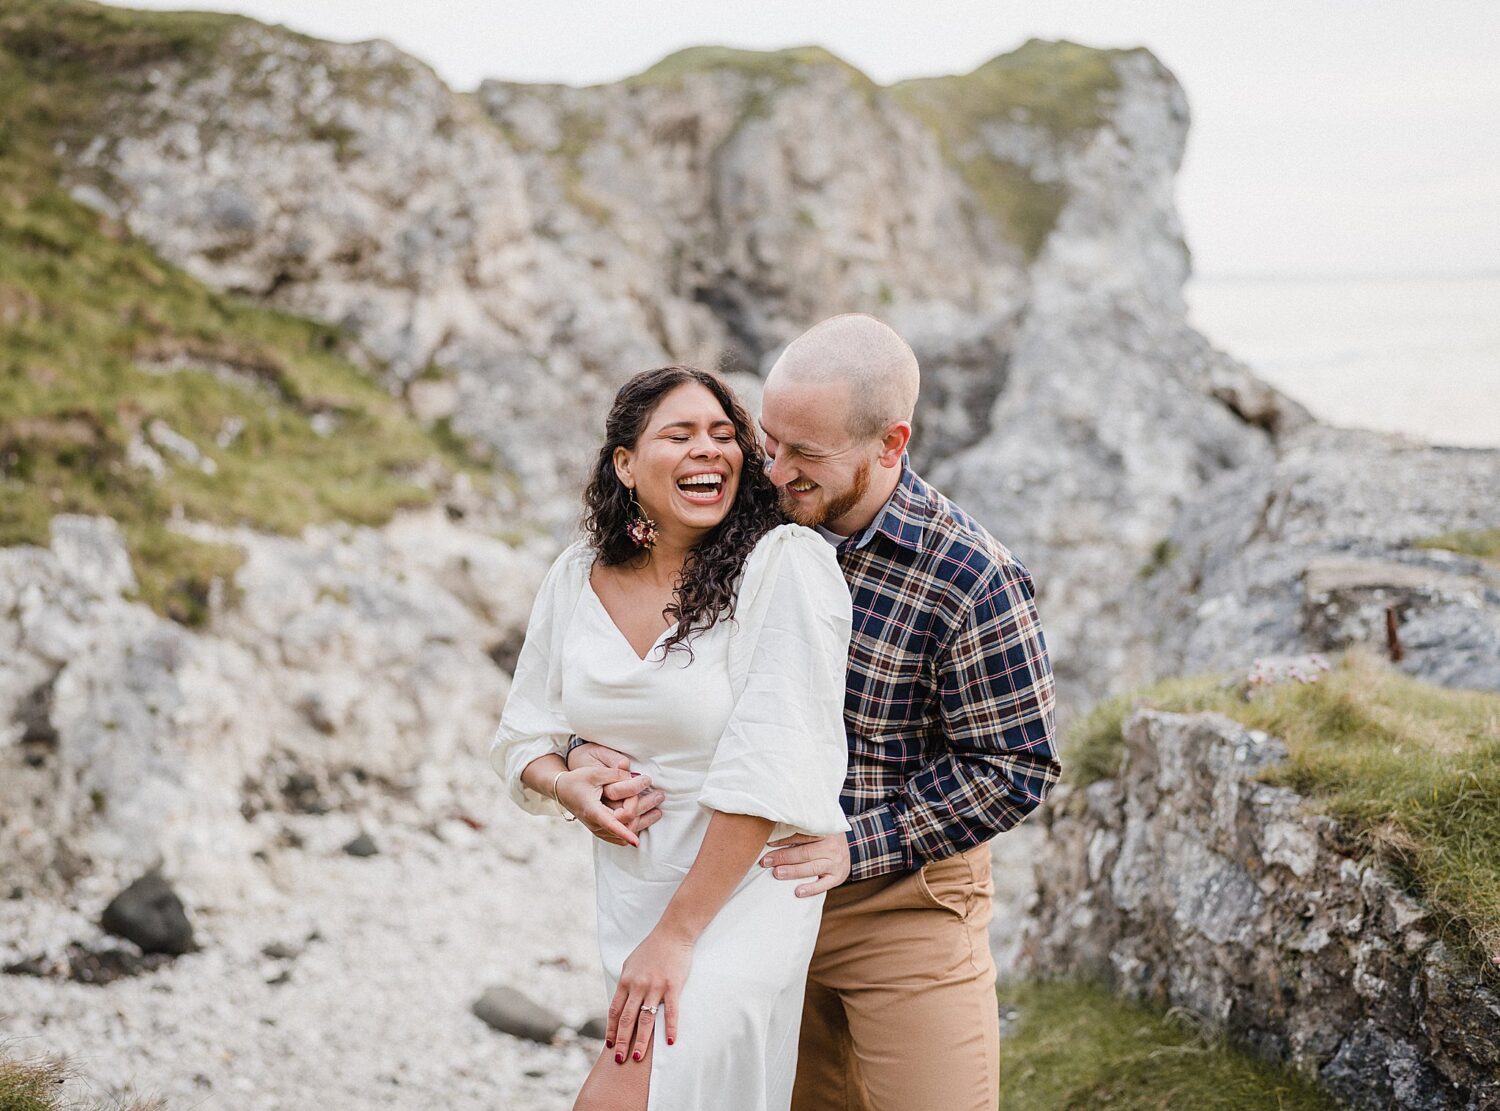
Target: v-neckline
588	584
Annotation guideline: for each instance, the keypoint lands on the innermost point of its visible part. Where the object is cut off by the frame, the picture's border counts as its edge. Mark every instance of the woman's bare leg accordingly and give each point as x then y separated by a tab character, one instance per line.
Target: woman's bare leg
615	1087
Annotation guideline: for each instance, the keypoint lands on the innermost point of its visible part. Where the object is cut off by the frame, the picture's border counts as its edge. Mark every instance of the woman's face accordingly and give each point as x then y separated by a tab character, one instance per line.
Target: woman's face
685	467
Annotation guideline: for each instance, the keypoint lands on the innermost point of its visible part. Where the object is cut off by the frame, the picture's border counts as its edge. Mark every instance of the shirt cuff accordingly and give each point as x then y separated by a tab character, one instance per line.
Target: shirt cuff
876	845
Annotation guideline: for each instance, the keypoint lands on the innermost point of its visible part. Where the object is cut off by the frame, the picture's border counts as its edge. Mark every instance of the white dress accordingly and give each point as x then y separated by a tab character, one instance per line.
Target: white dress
752	724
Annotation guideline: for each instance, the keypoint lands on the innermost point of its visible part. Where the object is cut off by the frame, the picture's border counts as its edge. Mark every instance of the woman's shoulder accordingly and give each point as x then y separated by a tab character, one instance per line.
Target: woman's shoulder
570	568
792	538
791	546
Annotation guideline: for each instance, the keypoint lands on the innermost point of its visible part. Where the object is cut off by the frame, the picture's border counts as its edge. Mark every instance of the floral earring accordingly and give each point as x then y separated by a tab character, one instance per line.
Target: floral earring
641	529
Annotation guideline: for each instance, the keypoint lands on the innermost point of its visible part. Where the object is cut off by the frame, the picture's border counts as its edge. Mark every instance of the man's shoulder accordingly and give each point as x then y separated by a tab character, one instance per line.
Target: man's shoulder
958	549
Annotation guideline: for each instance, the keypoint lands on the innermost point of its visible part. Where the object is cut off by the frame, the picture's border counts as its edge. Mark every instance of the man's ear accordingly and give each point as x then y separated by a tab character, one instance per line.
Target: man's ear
893	443
623	462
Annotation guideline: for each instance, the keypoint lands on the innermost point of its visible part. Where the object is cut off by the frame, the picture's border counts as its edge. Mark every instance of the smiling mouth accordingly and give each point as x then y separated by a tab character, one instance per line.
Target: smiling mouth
701	487
802	486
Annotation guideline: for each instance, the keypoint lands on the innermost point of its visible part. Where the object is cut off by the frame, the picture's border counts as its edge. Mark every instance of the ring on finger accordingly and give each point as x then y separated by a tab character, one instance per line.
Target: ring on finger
652	1009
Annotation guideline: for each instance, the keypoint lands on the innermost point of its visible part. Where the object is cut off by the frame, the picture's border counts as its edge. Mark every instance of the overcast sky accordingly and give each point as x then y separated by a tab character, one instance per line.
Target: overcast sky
1329	136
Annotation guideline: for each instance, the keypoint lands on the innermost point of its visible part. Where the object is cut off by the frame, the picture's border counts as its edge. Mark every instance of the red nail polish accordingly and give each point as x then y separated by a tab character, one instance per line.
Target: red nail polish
636	1055
669	1041
619	1058
609	1044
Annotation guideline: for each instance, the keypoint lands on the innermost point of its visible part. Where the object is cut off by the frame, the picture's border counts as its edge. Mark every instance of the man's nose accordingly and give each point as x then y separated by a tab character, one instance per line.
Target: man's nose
781	473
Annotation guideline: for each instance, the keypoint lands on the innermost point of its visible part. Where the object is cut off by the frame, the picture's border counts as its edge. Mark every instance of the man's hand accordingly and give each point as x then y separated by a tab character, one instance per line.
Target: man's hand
636	805
799	857
581	793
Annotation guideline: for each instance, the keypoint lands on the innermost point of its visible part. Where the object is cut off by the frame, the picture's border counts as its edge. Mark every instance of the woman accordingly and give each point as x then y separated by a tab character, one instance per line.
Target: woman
697	633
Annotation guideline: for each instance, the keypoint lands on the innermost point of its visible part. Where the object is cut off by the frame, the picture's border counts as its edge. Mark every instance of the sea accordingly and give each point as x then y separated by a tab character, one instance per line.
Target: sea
1418	355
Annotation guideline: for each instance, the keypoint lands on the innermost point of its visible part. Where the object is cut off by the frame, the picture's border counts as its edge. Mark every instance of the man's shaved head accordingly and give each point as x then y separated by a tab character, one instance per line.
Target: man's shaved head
877	365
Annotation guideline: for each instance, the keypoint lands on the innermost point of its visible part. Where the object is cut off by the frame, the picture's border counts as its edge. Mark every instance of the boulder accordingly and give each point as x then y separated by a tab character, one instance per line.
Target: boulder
511	1012
149	913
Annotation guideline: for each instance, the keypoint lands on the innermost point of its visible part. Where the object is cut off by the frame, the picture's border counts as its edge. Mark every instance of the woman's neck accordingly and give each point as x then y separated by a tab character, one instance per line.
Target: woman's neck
662	563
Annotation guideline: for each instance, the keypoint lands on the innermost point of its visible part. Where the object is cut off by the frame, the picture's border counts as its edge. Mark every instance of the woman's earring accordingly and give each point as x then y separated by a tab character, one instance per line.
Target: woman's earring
641	529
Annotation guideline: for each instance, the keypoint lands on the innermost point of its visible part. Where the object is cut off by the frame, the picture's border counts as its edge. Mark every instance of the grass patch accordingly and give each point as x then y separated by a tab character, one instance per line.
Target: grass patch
779	68
1411	769
1479	543
107	347
38	1085
1076	1047
1062	87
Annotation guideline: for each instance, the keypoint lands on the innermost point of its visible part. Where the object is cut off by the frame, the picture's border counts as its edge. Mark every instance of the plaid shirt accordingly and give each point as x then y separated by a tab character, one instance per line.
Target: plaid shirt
949	710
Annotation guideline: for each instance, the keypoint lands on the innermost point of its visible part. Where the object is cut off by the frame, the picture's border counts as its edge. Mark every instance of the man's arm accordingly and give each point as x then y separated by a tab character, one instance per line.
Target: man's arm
996	697
996	693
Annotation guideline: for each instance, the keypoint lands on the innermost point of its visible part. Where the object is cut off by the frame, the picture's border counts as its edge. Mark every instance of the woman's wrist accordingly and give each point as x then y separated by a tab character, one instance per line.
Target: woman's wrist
679	927
568	812
538	774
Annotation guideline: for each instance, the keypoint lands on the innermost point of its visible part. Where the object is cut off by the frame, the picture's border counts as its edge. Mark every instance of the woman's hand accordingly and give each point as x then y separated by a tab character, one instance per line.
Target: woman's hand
652	976
583	794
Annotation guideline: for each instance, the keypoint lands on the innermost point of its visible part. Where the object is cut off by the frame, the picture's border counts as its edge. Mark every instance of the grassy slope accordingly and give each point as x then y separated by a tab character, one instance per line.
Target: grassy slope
1412	770
86	308
1061	87
1075	1047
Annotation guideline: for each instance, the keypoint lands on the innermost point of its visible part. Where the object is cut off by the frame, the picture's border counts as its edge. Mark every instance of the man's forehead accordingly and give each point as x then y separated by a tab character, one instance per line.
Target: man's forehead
803	429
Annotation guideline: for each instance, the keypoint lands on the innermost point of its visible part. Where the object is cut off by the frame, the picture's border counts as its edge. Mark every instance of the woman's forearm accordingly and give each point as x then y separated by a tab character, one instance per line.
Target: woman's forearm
541	773
731	845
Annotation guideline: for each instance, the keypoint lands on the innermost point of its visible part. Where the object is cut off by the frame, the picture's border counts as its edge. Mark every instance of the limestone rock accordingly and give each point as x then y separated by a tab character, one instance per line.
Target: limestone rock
150	743
1187	881
1318	550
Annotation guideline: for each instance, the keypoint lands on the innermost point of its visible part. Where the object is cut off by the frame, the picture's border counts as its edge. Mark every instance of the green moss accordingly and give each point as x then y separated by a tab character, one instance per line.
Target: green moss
1479	543
102	339
1062	88
1412	770
1076	1047
580	131
774	67
1163	552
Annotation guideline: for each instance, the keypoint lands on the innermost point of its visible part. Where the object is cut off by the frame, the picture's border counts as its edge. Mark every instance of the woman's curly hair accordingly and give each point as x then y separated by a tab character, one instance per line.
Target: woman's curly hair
705	591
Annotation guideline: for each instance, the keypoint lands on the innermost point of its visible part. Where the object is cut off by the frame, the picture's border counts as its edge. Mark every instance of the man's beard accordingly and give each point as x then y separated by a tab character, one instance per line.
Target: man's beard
831	509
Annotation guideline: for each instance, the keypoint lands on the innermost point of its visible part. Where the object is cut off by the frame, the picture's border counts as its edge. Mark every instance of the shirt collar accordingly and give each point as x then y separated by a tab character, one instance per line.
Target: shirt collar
900	518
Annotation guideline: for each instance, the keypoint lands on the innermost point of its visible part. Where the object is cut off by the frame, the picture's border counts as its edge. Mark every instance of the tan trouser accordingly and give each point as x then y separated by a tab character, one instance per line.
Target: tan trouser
900	1013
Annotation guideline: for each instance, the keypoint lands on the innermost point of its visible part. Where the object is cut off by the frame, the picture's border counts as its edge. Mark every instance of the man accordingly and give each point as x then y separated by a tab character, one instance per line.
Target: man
949	716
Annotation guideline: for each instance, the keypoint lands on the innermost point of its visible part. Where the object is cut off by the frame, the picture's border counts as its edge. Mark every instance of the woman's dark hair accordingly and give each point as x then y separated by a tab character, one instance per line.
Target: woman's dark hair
705	590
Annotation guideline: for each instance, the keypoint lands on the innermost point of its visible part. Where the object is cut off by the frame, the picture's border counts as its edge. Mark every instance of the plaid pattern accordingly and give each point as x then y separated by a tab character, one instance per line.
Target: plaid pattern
949	710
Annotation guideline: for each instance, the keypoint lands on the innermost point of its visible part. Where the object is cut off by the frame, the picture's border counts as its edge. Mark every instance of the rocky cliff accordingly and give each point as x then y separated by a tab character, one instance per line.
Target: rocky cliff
525	248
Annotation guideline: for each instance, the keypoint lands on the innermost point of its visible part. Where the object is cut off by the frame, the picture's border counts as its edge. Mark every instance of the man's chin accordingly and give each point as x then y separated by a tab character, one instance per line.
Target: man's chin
804	514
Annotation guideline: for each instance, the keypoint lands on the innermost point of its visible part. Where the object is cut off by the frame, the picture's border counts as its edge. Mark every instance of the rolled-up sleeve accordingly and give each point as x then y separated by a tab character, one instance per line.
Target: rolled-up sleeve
532	723
783	754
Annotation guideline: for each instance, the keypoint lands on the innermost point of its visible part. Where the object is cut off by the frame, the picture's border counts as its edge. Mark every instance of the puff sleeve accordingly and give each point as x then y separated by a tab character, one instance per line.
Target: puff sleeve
783	754
532	723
